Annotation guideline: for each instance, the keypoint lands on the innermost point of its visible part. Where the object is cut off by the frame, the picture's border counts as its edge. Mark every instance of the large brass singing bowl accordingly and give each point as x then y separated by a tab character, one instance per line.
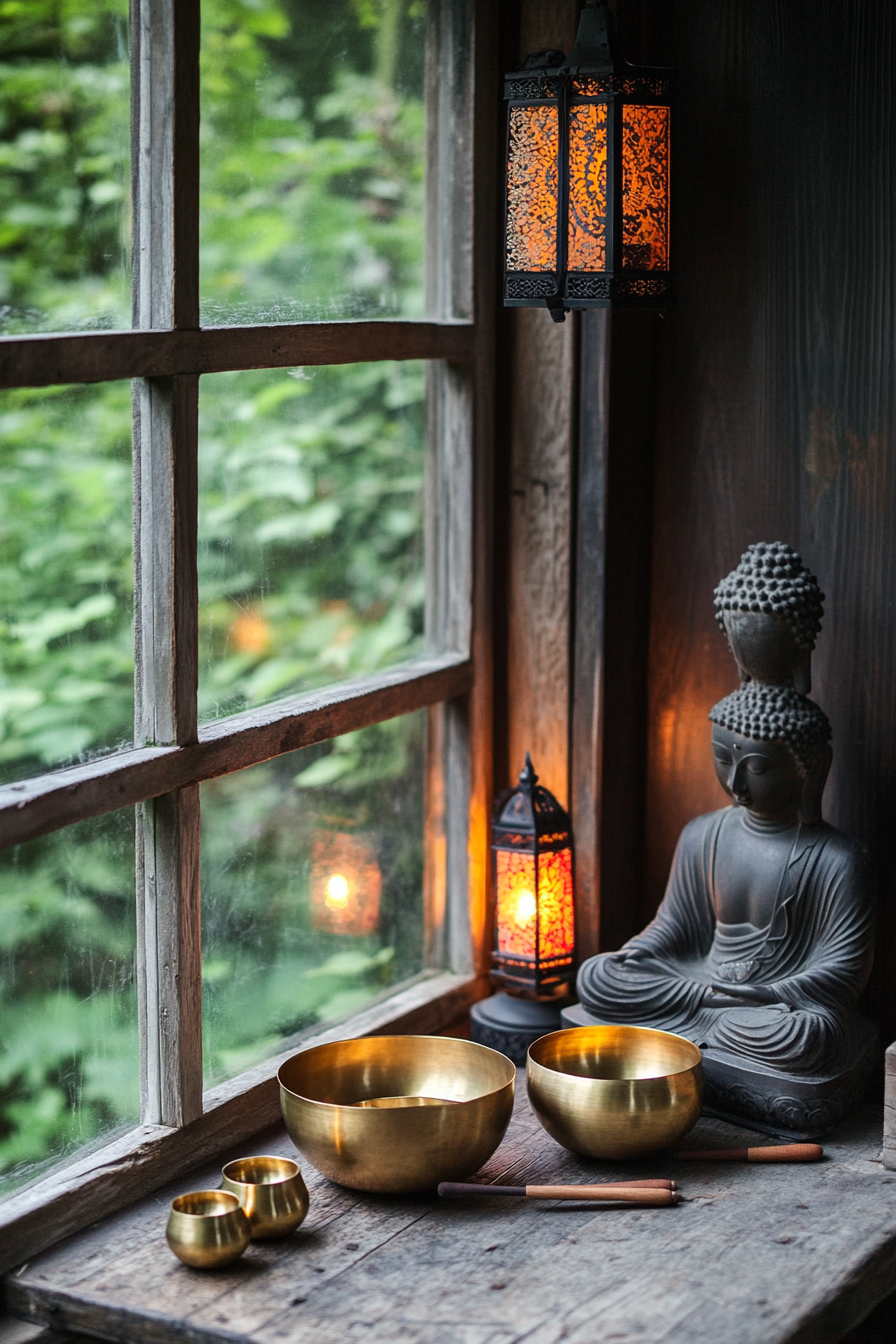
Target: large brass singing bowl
615	1092
393	1149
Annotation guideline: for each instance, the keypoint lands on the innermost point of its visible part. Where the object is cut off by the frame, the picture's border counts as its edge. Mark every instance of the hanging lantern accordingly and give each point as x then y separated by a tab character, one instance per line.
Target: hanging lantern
345	885
587	204
534	916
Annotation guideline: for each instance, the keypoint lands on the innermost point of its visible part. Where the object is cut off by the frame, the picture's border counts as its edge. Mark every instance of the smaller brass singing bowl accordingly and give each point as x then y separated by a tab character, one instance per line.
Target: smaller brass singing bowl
207	1229
391	1114
271	1191
615	1092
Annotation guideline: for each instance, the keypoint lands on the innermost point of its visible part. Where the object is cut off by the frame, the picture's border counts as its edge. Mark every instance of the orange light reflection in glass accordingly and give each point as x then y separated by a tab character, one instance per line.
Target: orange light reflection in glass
345	885
532	186
516	915
588	187
645	188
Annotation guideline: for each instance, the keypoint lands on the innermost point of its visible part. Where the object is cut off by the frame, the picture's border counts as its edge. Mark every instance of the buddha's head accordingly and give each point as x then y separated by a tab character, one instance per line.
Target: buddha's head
772	751
770	607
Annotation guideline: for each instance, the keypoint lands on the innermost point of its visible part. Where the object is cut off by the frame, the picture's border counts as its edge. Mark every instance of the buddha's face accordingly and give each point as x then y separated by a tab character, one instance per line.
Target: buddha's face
761	776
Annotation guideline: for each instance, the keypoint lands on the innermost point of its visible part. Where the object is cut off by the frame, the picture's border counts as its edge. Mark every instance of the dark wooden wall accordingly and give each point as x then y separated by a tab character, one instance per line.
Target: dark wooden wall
775	393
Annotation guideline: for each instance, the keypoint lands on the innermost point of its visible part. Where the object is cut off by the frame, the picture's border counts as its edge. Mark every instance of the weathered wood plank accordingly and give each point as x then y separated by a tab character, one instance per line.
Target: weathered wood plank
754	1256
92	357
148	1157
165	130
36	806
889	1153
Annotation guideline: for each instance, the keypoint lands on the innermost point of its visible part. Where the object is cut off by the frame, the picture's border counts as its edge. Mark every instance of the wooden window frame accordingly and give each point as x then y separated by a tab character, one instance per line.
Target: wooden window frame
164	355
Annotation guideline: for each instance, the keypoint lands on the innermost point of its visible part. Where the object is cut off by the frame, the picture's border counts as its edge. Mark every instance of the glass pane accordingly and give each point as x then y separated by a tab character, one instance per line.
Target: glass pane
645	187
65	147
69	1071
532	186
587	187
310	528
312	872
66	576
312	159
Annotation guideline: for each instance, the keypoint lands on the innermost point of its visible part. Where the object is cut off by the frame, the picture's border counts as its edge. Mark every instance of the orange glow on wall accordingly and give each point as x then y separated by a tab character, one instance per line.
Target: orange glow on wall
532	176
346	884
587	187
645	187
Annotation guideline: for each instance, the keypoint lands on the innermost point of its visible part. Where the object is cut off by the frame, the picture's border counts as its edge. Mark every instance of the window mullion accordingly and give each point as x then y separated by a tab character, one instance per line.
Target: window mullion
165	129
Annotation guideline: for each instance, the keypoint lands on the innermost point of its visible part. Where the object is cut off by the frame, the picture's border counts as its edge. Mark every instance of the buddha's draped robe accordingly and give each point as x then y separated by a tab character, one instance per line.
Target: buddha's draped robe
816	953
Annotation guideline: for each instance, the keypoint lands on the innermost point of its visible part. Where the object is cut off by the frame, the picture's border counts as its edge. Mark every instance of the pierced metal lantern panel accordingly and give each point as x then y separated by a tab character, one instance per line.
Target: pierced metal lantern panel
535	910
588	178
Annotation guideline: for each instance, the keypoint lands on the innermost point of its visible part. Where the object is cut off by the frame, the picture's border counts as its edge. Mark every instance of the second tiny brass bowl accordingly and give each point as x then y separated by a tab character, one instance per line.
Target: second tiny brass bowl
615	1092
395	1148
271	1191
207	1229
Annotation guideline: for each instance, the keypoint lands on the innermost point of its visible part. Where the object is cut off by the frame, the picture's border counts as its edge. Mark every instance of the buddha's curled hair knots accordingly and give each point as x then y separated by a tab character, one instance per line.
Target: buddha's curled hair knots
769	713
771	578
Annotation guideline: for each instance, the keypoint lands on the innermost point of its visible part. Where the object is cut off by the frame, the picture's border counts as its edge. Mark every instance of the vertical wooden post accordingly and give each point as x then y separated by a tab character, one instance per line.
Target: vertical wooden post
612	612
451	113
165	166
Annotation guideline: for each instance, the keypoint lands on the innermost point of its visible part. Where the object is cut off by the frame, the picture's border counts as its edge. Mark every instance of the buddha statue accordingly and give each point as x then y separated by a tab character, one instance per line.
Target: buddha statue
763	941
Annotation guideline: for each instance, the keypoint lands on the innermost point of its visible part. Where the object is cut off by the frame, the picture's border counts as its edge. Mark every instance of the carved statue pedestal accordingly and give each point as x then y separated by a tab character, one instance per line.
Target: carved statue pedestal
784	1105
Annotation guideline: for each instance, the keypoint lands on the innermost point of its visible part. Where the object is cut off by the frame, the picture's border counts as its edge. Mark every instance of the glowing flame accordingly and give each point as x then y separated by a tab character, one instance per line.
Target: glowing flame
525	907
337	892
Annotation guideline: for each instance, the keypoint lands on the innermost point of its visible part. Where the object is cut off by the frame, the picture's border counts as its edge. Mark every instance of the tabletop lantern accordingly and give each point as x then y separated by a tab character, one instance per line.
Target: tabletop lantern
534	919
587	200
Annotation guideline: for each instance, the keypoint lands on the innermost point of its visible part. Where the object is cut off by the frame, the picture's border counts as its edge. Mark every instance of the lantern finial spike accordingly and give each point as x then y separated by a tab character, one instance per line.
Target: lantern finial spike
528	777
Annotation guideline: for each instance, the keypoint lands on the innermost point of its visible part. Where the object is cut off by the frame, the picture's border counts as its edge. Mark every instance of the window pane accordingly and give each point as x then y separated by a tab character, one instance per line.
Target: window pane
310	528
312	872
65	147
66	577
312	159
69	1072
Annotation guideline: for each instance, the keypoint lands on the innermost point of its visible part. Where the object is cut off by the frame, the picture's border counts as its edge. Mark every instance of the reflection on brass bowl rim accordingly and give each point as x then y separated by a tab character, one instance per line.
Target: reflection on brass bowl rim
615	1091
271	1191
393	1149
207	1229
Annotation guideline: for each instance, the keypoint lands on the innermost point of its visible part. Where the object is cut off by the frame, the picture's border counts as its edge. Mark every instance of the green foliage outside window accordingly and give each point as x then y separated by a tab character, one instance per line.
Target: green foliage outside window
310	512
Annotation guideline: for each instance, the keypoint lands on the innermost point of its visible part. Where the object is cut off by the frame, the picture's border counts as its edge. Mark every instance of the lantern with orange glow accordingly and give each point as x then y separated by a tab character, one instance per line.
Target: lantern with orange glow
345	885
534	916
587	206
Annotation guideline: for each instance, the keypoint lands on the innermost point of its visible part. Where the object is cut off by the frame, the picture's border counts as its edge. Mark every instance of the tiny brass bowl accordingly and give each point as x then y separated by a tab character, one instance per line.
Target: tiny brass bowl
207	1229
615	1092
271	1191
394	1148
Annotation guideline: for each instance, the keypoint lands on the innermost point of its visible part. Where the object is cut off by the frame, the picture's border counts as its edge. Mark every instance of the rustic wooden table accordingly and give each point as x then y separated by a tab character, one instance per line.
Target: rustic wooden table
756	1255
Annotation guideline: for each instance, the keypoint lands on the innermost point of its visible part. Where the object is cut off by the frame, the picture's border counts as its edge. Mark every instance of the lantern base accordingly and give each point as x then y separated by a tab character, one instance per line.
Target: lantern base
511	1025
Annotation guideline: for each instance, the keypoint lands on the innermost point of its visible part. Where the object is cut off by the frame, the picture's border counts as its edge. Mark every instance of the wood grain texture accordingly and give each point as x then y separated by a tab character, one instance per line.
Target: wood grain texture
470	722
736	1263
92	357
777	394
539	559
48	802
146	1158
889	1151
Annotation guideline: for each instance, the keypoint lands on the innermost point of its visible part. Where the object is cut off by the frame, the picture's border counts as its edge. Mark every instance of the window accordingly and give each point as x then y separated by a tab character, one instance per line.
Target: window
308	677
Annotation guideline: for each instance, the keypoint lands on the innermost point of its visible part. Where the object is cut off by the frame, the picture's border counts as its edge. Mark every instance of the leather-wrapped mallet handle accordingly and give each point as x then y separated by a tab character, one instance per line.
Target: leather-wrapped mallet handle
781	1152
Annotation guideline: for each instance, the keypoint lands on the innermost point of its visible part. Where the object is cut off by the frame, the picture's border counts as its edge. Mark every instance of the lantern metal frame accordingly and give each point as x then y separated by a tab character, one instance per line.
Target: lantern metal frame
530	820
589	75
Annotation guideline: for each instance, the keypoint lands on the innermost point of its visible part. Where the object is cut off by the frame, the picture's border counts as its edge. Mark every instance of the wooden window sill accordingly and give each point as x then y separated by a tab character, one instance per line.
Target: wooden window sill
756	1253
140	1161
